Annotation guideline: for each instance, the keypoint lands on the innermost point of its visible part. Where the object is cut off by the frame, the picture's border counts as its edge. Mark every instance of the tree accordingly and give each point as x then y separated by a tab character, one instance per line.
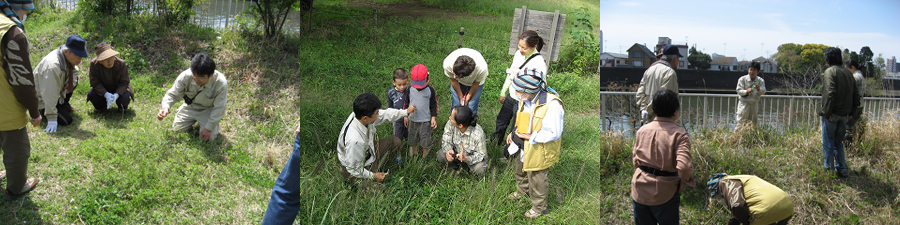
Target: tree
802	64
698	59
273	13
865	61
880	66
846	56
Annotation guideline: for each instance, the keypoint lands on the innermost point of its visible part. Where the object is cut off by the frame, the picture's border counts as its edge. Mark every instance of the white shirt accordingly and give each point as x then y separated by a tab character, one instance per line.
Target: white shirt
551	126
358	139
481	68
536	63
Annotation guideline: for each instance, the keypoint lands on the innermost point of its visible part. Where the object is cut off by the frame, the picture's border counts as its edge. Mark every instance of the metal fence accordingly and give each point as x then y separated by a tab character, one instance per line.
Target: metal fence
704	111
218	14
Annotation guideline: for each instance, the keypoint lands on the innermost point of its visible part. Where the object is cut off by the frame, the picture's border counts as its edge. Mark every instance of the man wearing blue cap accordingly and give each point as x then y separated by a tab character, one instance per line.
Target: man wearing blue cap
56	79
661	75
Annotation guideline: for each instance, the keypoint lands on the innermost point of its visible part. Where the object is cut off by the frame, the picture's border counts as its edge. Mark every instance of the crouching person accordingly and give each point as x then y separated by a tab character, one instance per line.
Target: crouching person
110	83
750	199
359	155
463	142
205	94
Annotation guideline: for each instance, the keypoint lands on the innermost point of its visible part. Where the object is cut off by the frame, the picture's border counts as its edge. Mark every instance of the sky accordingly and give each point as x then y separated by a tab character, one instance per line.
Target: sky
749	29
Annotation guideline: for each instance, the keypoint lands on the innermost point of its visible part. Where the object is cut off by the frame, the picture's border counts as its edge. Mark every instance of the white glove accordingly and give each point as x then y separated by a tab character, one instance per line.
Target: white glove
644	114
109	99
115	97
51	126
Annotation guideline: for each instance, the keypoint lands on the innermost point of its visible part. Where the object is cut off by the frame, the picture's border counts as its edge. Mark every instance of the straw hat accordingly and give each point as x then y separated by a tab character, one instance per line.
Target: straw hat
104	51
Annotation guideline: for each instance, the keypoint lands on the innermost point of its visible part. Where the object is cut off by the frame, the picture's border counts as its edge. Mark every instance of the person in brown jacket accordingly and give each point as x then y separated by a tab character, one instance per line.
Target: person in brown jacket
110	82
662	161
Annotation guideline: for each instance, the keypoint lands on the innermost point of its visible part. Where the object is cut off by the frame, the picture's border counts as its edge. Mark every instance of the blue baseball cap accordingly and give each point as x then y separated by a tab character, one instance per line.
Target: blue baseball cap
76	45
671	50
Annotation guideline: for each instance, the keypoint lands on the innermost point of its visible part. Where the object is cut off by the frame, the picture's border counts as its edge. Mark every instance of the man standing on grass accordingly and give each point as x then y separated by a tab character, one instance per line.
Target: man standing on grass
17	95
856	126
57	77
661	75
359	154
662	161
750	89
467	71
840	101
205	94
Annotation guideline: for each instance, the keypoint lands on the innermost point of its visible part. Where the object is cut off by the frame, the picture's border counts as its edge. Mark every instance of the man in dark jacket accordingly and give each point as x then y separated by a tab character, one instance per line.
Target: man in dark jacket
840	100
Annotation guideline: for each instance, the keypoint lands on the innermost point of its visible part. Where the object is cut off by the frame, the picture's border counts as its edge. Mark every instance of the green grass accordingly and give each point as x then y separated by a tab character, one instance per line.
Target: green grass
130	168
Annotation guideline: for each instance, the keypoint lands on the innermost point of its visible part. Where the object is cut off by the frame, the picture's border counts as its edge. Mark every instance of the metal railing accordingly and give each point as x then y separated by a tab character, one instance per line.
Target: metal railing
704	111
218	14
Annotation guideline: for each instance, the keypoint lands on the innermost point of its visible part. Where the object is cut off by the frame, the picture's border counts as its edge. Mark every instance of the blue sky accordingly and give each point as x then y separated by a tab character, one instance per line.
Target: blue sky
749	29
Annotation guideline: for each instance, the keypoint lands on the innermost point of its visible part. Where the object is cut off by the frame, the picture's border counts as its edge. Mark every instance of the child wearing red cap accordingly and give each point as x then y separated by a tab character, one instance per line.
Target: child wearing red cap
420	123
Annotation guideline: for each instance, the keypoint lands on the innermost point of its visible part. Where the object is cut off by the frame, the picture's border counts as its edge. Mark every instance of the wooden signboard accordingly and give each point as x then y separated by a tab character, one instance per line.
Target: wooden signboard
550	25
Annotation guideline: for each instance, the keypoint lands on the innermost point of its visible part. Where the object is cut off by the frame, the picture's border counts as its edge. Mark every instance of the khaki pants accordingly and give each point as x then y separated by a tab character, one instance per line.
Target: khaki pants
747	112
478	168
187	116
384	151
16	151
534	184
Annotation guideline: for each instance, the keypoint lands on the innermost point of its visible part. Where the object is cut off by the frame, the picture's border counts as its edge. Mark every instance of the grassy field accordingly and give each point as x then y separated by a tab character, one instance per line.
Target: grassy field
131	169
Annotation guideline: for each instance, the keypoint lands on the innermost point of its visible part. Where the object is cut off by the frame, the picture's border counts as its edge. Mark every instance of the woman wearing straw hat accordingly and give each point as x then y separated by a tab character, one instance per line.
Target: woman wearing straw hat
110	83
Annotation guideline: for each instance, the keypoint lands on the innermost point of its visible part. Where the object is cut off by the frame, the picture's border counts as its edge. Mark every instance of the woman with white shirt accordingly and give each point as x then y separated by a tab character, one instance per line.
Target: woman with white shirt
528	55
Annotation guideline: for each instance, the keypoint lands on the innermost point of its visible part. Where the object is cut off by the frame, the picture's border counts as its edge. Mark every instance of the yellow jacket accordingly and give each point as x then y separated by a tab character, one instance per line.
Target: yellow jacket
540	156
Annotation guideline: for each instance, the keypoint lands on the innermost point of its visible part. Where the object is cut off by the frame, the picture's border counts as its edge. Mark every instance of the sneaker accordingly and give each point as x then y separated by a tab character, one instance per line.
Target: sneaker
531	214
30	184
514	196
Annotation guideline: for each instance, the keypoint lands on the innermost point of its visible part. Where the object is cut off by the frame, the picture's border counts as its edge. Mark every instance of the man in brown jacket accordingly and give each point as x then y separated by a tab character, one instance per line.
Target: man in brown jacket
110	82
662	161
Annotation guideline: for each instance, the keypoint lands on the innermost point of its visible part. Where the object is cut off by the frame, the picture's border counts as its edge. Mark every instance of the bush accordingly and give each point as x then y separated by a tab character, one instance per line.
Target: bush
583	53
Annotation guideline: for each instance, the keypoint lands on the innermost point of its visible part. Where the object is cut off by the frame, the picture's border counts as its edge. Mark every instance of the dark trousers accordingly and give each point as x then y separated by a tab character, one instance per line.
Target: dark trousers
16	151
64	112
504	117
99	101
666	213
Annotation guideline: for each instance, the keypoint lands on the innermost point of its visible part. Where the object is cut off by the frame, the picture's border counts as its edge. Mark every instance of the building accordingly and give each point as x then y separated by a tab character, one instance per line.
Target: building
601	41
766	65
608	59
892	65
683	49
723	63
640	56
743	65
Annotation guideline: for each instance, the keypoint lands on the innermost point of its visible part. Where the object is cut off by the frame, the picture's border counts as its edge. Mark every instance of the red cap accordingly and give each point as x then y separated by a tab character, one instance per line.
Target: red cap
418	76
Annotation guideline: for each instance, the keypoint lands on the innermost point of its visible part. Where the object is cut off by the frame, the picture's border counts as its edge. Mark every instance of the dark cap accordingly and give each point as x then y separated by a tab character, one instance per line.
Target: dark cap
671	50
76	45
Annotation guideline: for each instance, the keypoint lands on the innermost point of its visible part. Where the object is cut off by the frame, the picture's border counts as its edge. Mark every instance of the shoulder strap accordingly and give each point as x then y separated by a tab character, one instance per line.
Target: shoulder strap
529	59
344	135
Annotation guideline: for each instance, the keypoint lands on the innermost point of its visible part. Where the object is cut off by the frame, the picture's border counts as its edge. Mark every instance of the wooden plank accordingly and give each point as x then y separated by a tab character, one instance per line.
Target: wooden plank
549	25
553	38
